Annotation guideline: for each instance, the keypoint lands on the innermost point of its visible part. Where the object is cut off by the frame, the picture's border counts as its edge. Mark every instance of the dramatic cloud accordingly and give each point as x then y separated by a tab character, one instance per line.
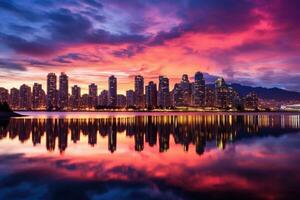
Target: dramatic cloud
229	38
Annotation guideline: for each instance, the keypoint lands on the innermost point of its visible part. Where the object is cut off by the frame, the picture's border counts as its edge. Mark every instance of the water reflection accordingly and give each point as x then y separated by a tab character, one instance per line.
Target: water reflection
185	130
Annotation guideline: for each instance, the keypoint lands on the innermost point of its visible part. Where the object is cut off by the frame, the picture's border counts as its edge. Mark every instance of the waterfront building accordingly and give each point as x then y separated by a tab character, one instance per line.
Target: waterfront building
186	88
251	101
112	91
25	97
103	98
63	97
198	90
121	101
177	95
209	97
51	92
221	94
93	94
38	97
151	95
164	100
139	91
130	98
75	99
14	98
4	95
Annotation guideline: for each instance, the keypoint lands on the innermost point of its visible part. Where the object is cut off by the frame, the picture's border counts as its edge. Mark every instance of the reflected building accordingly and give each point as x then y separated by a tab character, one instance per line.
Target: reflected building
185	130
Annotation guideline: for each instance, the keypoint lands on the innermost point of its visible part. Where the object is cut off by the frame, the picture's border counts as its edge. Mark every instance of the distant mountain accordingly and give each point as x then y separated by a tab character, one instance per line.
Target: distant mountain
267	93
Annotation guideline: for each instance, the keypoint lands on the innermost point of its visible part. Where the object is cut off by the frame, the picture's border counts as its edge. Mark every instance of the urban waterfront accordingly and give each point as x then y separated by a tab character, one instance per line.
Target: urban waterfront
154	155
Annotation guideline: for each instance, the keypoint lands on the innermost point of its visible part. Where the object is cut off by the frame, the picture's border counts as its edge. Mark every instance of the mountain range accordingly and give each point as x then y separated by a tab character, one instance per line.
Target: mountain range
267	93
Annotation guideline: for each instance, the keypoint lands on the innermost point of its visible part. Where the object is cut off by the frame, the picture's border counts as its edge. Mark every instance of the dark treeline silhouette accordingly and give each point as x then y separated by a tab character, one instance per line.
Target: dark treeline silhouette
153	130
4	107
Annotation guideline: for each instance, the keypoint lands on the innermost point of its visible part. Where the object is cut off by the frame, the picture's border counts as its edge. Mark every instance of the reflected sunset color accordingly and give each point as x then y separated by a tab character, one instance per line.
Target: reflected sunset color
150	156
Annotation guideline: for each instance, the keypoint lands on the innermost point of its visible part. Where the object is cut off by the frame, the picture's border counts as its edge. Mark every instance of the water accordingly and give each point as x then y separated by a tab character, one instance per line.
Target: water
150	156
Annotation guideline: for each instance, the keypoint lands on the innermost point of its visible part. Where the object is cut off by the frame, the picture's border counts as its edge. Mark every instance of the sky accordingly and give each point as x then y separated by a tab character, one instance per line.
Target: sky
252	42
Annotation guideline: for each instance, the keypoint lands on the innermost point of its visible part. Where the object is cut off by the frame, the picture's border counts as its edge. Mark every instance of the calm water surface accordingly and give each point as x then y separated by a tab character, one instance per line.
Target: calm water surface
150	156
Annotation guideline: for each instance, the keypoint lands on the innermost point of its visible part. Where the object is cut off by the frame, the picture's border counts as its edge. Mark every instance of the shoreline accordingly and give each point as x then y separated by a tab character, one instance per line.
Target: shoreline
10	114
156	111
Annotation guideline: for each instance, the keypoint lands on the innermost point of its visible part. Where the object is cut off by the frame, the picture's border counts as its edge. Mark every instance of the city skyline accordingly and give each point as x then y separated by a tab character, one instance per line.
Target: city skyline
92	39
60	96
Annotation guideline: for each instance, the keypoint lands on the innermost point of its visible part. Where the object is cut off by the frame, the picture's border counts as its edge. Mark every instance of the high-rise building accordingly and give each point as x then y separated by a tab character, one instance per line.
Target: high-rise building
209	97
139	91
163	92
186	88
112	91
93	94
4	96
178	95
121	101
84	103
221	94
151	95
51	92
251	101
63	97
75	99
130	98
14	98
103	98
198	90
38	97
25	97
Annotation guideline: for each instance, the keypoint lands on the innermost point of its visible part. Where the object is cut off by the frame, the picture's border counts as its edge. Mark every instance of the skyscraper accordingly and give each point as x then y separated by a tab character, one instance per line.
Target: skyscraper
51	92
177	95
251	101
63	97
163	92
186	88
75	99
198	90
103	98
121	101
38	96
151	95
25	97
14	98
221	94
93	94
139	91
112	91
4	96
130	98
209	97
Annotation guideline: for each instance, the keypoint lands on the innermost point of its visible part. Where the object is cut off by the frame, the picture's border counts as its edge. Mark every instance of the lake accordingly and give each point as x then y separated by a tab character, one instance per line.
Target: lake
91	155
